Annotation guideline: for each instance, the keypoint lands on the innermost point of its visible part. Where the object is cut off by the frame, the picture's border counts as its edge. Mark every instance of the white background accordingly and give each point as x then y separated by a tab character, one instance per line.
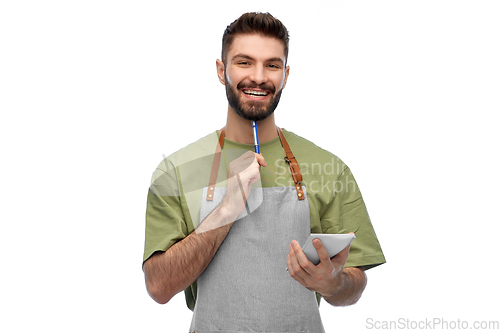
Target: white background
92	93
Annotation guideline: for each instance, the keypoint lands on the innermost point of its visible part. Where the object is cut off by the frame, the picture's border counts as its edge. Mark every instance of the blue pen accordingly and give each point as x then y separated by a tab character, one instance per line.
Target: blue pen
255	137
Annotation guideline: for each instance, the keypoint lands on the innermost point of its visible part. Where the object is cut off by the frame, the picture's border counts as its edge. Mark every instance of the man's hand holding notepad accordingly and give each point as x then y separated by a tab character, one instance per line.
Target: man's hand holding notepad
333	243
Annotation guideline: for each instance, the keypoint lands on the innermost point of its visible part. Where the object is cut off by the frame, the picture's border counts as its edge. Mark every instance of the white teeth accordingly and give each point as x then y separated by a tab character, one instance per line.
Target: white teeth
256	92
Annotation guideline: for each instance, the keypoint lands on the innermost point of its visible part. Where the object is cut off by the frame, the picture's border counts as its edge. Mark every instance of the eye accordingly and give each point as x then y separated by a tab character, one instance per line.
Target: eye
273	66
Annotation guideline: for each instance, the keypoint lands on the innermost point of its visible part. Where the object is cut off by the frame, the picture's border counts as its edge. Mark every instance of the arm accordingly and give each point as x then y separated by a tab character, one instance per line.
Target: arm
172	271
352	285
339	286
167	273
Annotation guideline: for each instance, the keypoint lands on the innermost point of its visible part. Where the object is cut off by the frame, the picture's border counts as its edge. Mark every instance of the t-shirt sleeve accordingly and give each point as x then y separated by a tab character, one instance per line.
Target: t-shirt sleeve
347	213
165	223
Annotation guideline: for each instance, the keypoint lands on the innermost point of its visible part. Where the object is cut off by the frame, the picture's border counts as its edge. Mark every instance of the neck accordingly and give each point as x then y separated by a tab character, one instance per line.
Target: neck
240	130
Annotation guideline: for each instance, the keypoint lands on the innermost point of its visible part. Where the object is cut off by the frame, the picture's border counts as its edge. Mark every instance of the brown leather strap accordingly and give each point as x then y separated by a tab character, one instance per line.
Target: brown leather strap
289	158
215	167
294	166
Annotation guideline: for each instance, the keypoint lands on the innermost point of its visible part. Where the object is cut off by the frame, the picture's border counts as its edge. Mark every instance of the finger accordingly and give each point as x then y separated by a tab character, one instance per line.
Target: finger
247	159
322	253
252	172
341	257
261	160
294	261
304	263
241	163
251	160
289	265
294	268
246	164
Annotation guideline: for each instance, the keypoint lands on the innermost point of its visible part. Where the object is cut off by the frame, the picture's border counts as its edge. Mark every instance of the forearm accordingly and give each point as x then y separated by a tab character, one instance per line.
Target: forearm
353	283
172	271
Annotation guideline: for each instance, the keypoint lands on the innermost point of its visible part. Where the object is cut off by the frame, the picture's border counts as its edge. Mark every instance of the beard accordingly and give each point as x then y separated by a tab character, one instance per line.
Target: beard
251	110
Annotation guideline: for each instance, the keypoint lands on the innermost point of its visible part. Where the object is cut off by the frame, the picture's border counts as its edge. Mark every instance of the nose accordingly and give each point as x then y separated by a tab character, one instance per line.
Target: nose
258	74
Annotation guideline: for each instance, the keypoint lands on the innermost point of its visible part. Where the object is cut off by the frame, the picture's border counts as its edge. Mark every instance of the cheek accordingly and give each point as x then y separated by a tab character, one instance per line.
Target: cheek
232	77
229	80
279	82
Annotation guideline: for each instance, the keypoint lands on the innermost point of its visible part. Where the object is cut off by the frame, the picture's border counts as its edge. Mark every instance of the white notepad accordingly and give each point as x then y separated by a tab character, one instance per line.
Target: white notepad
333	243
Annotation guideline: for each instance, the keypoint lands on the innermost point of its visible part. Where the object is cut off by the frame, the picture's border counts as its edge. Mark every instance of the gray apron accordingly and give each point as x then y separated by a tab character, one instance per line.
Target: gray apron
246	287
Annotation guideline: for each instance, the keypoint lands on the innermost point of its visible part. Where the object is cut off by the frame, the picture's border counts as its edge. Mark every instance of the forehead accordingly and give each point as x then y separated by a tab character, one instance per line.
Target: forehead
256	46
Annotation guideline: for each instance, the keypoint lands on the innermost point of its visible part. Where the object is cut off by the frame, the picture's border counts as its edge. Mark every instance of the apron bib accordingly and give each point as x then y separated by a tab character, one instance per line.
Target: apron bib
246	287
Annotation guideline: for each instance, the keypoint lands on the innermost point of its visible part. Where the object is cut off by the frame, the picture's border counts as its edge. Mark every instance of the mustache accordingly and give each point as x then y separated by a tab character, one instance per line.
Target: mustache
262	86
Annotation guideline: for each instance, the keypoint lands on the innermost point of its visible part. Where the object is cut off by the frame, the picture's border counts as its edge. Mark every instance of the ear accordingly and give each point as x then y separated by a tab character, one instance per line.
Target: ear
287	71
220	71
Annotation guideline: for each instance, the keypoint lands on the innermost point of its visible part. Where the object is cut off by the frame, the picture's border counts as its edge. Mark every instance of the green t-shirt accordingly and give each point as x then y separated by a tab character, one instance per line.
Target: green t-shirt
335	202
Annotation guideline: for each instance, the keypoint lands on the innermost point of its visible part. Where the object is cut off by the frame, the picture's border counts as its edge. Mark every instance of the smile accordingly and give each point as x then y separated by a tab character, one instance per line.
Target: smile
255	93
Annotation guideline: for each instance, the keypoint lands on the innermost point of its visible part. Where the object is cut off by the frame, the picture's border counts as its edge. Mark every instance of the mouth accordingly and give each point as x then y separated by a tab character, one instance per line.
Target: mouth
256	93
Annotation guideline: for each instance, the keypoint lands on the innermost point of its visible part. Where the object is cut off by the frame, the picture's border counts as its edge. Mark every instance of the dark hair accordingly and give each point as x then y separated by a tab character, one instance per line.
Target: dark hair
260	23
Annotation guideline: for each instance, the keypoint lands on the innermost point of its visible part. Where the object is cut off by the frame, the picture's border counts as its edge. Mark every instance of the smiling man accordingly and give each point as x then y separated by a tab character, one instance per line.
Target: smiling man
260	75
225	224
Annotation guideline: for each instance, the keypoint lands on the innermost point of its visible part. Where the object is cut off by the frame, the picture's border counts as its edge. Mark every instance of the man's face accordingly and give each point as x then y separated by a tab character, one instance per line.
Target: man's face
254	75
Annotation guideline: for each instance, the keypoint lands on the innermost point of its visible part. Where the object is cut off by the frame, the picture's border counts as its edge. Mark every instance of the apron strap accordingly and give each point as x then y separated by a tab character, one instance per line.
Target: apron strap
294	166
289	158
215	166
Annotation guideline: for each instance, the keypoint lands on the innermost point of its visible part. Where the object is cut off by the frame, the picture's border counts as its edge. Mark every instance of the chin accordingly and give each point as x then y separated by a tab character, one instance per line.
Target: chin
253	115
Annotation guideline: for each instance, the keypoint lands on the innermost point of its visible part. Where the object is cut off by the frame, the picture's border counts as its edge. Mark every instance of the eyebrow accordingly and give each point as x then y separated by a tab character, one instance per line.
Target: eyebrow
244	56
